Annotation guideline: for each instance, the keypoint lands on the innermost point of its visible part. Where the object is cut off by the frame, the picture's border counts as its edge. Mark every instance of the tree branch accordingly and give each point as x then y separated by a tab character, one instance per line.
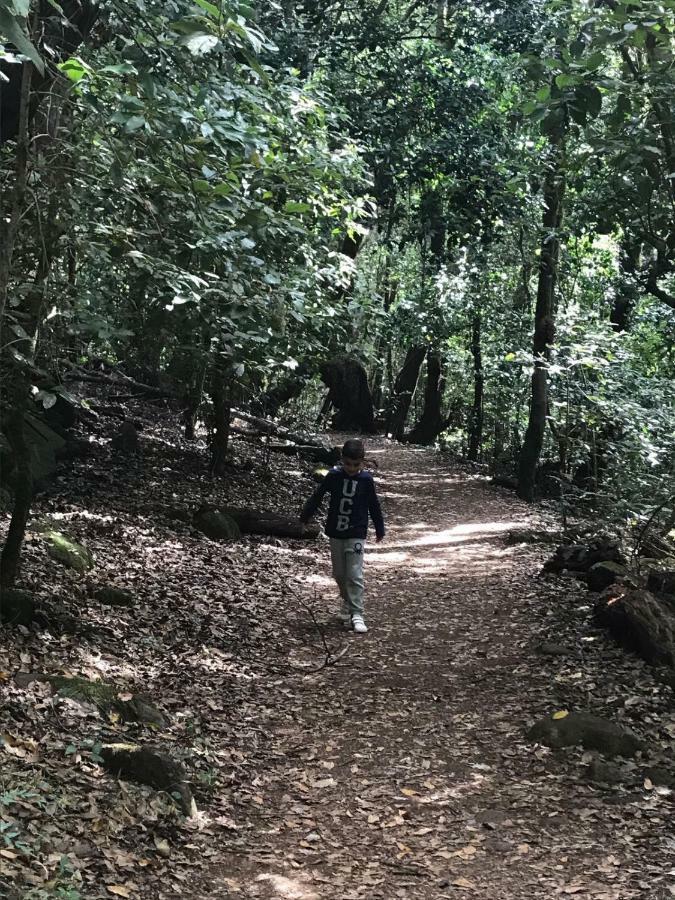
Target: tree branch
656	291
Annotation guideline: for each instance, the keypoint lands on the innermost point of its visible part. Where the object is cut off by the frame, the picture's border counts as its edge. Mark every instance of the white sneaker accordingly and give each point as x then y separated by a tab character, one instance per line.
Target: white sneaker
359	625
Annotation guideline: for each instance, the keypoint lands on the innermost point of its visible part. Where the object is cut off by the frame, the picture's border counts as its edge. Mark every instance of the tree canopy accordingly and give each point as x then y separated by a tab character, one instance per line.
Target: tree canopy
473	201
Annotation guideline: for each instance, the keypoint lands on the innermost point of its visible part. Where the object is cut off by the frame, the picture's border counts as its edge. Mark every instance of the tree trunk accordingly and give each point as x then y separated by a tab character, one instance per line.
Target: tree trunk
325	409
441	11
544	327
376	379
23	494
10	216
193	401
347	383
431	422
221	415
404	391
476	417
62	34
382	366
626	295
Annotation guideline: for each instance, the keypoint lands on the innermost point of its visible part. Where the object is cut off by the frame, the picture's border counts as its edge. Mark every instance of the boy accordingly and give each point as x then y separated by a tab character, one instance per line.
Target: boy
352	498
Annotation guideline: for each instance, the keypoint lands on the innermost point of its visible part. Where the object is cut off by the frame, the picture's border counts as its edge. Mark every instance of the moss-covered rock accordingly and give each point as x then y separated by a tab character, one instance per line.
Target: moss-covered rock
585	730
582	557
100	693
109	698
151	766
68	552
217	525
17	607
319	474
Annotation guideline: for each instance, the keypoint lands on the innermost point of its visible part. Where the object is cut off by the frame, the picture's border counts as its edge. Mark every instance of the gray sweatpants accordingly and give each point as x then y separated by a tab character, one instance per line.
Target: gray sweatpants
347	558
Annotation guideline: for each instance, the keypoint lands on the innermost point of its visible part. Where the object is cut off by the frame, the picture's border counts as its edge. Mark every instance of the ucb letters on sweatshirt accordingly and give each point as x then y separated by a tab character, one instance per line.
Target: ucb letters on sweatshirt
352	498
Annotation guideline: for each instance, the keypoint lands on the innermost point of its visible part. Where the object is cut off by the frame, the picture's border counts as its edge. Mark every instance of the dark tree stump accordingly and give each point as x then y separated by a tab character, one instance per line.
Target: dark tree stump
641	622
348	391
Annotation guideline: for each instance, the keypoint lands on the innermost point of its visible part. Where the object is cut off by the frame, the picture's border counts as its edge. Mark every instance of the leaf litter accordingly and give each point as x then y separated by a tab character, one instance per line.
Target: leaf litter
324	765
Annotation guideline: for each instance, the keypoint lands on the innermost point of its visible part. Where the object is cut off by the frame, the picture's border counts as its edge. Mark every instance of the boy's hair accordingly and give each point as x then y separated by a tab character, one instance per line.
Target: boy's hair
353	449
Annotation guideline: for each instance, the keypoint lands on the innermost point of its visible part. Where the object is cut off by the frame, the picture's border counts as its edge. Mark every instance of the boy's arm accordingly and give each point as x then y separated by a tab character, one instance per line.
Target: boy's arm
376	512
314	501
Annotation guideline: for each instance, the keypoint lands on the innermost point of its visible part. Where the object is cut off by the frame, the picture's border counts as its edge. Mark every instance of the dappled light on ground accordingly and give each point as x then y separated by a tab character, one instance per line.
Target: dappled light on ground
327	765
398	763
288	888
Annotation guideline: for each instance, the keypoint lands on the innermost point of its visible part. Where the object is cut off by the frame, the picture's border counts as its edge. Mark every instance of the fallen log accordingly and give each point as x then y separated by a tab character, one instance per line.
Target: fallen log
641	622
151	766
314	454
255	521
249	521
327	456
119	380
267	427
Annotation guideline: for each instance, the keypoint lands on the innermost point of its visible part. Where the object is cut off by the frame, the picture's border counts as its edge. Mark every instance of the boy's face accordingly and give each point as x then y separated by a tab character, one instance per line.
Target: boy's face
352	466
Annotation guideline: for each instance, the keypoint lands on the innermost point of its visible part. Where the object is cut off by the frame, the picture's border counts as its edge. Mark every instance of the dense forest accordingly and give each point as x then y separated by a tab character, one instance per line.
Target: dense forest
449	224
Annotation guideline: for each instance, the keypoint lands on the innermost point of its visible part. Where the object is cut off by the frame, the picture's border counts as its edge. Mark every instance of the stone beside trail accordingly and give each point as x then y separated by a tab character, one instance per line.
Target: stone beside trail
405	769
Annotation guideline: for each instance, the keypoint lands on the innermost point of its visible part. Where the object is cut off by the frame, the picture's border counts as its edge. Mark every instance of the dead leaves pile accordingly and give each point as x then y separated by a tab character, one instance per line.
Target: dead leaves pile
399	771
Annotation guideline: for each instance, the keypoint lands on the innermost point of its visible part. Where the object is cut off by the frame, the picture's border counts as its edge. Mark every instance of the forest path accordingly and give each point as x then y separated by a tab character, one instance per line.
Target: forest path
402	770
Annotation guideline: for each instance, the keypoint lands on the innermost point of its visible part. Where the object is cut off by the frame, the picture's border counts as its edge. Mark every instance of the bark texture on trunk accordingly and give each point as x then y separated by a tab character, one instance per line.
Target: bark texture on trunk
476	416
404	391
23	494
348	391
432	421
544	326
221	415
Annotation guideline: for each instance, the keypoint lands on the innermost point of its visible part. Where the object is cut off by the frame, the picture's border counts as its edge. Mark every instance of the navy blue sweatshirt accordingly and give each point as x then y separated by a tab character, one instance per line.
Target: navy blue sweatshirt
351	499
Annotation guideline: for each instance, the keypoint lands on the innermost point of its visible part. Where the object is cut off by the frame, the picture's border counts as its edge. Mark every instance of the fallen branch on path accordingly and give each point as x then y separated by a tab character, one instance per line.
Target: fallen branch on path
406	870
265	426
330	657
119	380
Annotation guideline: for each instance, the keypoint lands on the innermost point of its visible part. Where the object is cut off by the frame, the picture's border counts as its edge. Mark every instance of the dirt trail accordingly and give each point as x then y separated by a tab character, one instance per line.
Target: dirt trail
402	770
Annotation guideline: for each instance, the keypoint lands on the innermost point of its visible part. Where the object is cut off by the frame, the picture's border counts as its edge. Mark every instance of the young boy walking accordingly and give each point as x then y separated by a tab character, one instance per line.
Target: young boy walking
352	499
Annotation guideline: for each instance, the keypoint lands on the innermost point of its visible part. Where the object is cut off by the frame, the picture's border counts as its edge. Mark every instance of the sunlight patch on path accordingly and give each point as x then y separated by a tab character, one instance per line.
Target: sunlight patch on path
288	888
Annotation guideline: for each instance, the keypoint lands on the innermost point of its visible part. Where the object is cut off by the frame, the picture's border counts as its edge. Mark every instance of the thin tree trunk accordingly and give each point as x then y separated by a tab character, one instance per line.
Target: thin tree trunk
221	414
626	295
376	379
23	491
404	391
476	418
380	369
440	19
14	409
325	409
193	400
544	326
10	218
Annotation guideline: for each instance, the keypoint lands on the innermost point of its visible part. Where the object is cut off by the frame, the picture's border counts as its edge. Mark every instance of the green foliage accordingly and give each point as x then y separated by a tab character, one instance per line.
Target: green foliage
13	15
218	167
